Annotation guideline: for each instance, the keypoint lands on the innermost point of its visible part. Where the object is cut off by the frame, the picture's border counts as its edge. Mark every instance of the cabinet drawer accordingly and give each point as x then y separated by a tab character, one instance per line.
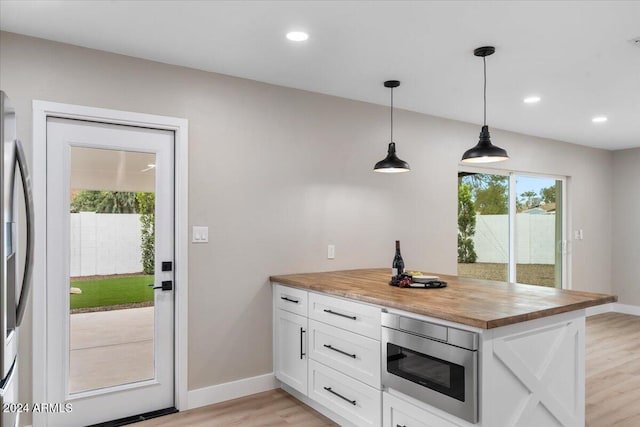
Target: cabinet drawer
291	299
349	353
349	398
398	413
352	316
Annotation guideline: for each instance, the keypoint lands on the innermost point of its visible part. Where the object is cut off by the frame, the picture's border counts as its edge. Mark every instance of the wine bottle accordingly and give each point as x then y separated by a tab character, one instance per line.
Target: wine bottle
397	268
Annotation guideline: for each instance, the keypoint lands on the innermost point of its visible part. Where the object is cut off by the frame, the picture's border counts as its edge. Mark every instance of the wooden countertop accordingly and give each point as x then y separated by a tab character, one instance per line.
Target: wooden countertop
481	303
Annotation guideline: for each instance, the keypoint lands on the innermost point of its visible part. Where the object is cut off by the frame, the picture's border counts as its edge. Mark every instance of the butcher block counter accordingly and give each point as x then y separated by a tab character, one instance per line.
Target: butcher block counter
479	303
341	339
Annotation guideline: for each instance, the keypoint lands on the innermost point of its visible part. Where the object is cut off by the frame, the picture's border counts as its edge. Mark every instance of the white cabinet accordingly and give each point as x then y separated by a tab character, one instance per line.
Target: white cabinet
328	349
352	316
349	353
349	398
291	349
291	299
399	413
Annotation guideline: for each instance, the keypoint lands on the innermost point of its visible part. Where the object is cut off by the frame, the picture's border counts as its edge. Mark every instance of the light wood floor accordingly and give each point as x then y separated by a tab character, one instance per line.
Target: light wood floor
613	388
271	408
613	370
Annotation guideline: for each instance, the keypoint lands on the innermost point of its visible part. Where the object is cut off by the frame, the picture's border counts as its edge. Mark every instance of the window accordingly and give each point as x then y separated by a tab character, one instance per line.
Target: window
511	227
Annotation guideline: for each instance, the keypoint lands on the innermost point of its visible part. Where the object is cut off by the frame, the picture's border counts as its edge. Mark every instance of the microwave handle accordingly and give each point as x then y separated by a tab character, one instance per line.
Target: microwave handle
28	264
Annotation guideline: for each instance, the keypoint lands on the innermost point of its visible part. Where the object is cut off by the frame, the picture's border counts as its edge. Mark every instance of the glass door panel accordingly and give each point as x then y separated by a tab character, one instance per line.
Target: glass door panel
111	268
539	232
483	226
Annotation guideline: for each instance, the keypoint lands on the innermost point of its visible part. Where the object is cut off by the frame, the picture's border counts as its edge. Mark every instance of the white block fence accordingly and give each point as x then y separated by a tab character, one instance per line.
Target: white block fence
535	237
105	244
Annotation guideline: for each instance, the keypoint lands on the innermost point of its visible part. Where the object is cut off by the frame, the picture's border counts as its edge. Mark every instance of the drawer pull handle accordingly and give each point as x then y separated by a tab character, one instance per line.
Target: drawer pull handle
398	425
330	347
340	314
302	354
353	402
290	300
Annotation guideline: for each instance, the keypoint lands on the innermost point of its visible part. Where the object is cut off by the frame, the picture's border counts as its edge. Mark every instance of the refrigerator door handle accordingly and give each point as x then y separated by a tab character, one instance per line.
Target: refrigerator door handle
28	264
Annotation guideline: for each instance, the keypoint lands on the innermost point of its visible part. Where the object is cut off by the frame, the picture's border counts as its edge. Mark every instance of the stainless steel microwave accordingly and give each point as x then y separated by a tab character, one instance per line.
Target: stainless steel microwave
432	363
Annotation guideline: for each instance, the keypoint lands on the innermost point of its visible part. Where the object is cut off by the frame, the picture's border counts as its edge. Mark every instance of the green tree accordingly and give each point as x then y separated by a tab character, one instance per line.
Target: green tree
104	202
147	209
529	199
492	198
86	201
548	194
466	225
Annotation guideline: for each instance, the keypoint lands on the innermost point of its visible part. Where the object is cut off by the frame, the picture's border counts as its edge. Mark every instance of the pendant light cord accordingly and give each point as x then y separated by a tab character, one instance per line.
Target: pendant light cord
484	62
391	114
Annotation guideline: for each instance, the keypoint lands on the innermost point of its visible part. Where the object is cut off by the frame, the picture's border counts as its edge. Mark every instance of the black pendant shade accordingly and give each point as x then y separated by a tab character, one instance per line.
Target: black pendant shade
484	151
391	163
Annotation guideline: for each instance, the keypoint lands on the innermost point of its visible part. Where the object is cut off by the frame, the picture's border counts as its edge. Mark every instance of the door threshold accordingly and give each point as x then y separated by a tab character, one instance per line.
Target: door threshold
137	418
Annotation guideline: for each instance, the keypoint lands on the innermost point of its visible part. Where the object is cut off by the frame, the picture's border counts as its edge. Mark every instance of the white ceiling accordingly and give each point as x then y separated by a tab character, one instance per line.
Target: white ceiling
577	56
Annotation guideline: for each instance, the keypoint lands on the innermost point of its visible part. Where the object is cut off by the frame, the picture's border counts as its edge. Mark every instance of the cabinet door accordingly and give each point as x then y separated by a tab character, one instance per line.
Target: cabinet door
291	350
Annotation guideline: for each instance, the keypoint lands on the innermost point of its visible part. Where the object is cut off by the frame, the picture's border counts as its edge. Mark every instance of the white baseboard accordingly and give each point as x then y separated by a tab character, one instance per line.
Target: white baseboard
599	309
627	309
231	390
615	307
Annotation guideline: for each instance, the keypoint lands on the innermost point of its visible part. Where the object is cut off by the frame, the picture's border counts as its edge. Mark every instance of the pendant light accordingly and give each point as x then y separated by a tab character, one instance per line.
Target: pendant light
484	151
391	163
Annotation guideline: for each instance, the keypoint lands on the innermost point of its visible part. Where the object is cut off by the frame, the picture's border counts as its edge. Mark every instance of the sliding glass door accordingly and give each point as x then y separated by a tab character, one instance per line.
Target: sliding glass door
511	227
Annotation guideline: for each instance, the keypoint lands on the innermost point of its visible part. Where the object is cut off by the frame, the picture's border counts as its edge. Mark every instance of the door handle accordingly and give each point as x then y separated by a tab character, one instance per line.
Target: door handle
330	390
339	314
330	347
167	285
302	353
28	262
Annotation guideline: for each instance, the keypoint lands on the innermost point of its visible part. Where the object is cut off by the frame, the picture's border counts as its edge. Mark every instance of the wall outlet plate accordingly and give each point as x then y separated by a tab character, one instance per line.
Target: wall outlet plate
200	234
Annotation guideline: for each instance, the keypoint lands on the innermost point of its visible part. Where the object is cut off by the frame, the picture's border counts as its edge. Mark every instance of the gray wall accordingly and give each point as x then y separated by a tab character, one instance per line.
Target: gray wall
277	174
626	226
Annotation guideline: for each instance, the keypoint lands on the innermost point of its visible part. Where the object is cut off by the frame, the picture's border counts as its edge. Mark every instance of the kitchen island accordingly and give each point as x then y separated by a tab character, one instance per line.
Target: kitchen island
524	350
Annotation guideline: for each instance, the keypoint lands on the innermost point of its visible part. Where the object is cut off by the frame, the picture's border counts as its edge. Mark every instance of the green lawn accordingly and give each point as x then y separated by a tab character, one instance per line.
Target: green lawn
105	292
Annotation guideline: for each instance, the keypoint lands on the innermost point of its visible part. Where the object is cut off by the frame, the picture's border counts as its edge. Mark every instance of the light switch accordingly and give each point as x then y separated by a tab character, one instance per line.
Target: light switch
331	252
200	234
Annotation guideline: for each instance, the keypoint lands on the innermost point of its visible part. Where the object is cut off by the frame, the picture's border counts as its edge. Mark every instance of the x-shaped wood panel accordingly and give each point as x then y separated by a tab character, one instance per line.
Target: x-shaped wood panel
538	383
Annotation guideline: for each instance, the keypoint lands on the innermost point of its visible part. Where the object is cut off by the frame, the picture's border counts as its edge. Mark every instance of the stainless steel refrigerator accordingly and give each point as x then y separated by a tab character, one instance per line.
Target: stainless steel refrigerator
13	290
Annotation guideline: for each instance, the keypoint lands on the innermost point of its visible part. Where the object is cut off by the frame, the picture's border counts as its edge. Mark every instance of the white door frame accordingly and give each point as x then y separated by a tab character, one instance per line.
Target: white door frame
180	127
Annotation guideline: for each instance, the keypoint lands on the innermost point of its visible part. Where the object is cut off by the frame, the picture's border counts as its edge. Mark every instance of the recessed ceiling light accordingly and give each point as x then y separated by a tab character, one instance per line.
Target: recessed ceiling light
297	36
599	119
531	99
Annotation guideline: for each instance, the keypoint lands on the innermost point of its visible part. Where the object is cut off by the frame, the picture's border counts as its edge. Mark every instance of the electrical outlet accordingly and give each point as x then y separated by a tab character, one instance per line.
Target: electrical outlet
331	252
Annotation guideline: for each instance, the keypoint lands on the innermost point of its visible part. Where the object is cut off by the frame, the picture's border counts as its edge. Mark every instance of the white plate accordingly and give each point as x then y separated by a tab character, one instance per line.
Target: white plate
425	278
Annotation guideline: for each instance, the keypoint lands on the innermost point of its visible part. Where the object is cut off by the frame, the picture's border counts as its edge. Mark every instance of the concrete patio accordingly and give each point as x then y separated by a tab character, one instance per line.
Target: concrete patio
110	348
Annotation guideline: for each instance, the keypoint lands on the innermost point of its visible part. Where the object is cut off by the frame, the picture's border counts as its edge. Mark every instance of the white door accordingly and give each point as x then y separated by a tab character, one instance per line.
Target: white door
109	236
291	352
